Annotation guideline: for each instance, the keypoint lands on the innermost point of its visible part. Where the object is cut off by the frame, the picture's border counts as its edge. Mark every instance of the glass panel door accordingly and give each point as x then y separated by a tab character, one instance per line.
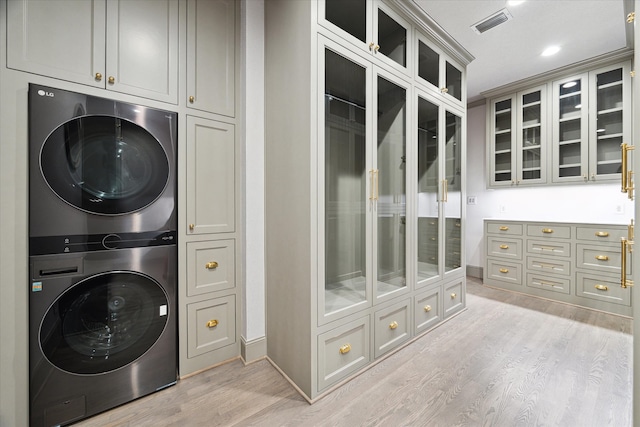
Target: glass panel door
392	38
346	178
428	202
453	82
453	192
532	136
428	64
348	15
503	167
606	157
389	190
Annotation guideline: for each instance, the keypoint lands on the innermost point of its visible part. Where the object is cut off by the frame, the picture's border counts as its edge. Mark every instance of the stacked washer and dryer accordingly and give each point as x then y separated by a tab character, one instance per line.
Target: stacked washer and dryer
102	252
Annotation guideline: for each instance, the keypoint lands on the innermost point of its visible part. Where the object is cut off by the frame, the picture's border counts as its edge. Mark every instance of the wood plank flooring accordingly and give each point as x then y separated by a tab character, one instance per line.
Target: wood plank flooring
508	360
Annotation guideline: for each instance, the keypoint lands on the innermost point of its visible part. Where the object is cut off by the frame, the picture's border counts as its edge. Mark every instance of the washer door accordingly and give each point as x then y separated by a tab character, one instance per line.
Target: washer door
104	322
104	165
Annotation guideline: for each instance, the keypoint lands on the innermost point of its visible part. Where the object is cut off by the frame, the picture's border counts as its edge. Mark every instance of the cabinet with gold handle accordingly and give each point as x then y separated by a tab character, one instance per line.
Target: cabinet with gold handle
602	258
504	228
504	270
601	287
111	80
192	227
393	325
547	230
212	323
211	265
602	234
504	246
626	175
427	308
624	247
453	295
345	349
98	77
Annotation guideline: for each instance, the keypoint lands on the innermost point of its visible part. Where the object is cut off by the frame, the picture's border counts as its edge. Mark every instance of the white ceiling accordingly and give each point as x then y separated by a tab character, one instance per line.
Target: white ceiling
511	51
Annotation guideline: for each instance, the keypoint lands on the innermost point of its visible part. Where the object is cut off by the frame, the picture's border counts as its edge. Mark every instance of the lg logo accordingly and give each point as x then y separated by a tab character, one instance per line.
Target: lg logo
44	93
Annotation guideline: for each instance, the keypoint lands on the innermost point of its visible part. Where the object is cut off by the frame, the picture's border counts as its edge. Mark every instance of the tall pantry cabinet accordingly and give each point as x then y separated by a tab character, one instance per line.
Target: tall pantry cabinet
364	185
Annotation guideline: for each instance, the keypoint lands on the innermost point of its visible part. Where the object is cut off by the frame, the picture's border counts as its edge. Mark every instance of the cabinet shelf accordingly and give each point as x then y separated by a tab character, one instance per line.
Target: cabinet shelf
610	111
570	141
570	117
609	162
502	132
505	111
569	95
532	126
569	165
610	136
609	85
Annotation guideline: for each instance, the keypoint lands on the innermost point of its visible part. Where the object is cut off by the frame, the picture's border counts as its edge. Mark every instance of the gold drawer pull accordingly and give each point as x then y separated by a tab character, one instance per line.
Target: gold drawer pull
602	234
345	349
212	323
192	99
601	287
427	308
504	228
602	258
211	265
504	270
547	230
111	80
98	76
504	246
453	295
547	284
191	227
393	325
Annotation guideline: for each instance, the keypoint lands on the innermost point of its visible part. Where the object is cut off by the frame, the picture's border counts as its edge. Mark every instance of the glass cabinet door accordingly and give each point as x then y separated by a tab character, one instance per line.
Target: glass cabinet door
350	16
346	178
609	125
392	37
570	129
531	137
389	190
502	144
439	72
428	190
453	81
453	192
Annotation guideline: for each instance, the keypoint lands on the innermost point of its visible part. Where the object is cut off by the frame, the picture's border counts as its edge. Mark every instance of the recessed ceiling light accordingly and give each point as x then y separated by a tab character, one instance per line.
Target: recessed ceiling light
569	84
551	50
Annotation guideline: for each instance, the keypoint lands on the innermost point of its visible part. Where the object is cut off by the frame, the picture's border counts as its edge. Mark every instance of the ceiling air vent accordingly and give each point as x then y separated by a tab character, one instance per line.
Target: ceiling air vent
494	20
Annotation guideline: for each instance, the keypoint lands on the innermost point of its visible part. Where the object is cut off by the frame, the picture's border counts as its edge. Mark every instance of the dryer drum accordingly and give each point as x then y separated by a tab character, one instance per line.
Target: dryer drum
104	322
104	165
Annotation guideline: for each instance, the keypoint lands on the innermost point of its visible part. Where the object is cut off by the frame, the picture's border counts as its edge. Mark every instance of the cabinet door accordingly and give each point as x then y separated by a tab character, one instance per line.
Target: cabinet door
570	129
347	182
210	176
609	120
453	186
502	152
62	39
531	139
439	73
211	56
428	206
142	48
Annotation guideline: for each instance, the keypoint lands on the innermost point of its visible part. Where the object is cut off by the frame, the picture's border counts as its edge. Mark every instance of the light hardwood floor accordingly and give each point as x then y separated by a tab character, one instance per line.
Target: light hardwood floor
508	360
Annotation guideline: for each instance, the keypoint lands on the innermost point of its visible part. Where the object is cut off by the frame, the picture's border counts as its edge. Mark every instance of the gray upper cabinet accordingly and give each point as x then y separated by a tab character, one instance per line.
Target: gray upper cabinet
125	46
211	56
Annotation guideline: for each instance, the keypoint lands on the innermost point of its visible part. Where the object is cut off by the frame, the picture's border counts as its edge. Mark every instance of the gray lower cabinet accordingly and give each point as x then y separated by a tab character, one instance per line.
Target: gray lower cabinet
569	262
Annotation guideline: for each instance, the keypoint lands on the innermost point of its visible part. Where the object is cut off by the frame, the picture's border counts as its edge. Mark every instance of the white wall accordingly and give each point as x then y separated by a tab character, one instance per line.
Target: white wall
595	203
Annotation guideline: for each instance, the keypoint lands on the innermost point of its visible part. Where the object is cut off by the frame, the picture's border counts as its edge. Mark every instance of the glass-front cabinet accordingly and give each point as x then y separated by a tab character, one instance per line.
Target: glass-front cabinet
365	138
371	26
439	73
439	184
518	138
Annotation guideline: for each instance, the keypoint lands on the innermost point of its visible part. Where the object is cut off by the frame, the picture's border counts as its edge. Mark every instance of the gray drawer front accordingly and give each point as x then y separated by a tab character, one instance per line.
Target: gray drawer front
504	228
211	325
342	351
605	289
428	310
549	265
392	327
549	231
553	284
602	234
504	247
605	259
504	271
453	298
549	248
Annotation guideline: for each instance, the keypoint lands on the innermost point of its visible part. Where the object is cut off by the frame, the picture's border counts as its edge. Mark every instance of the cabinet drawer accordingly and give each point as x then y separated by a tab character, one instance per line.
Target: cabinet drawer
602	234
211	325
549	247
605	259
391	327
555	284
504	248
427	309
211	266
342	351
504	271
549	265
549	231
603	289
504	228
453	298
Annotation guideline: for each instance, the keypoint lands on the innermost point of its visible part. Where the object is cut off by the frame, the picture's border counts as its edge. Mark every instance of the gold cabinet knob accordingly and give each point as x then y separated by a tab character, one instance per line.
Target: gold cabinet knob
192	99
601	287
602	258
345	349
98	76
393	325
444	90
212	323
376	48
427	308
453	295
212	265
111	80
371	45
191	227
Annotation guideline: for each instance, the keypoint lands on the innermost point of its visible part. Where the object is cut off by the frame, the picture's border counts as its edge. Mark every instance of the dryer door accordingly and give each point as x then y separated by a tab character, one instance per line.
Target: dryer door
104	165
104	322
